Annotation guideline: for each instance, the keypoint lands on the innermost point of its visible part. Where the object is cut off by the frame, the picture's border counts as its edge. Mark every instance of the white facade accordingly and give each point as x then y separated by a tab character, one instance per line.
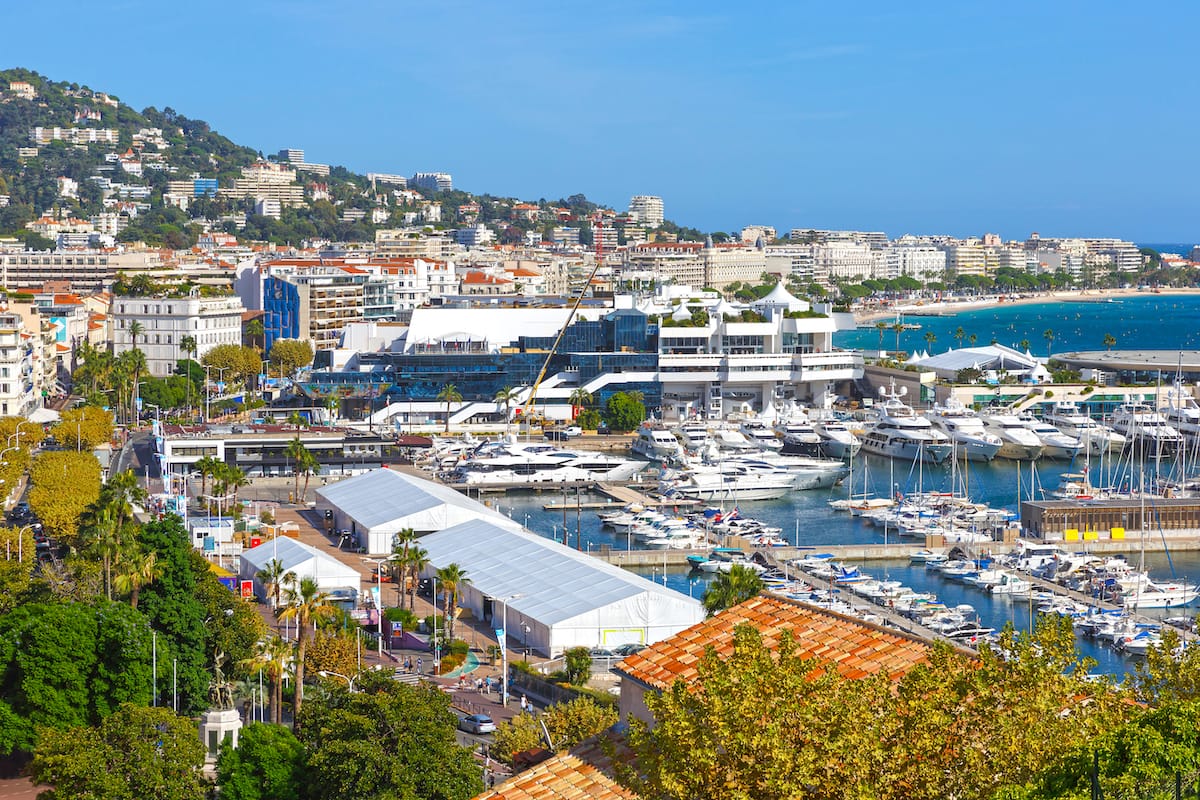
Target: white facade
20	389
648	209
922	262
211	321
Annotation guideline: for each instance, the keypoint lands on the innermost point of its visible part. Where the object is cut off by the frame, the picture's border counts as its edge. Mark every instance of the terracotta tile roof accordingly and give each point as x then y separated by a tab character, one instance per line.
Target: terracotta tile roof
582	773
857	648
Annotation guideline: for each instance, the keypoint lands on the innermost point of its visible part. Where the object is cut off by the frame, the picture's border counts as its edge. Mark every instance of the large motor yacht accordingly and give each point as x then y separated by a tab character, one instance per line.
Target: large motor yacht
510	461
837	440
1055	443
899	432
656	443
1146	431
1069	418
1181	411
1016	440
965	429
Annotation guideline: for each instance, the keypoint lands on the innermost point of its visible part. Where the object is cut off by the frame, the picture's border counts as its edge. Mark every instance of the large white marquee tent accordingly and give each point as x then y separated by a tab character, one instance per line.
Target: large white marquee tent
376	506
301	559
556	597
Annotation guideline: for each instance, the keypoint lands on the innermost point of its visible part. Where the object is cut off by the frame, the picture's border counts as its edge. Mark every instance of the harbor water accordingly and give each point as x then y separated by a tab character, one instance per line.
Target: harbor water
807	521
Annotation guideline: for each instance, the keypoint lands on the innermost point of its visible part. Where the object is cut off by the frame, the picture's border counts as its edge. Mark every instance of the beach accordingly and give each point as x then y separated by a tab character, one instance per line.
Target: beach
950	307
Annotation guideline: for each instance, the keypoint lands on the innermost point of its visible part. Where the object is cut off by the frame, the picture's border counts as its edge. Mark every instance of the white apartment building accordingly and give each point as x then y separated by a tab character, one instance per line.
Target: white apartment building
682	262
966	258
648	210
732	263
474	235
85	271
433	181
414	243
844	260
790	261
923	262
752	233
265	180
165	321
20	387
1120	255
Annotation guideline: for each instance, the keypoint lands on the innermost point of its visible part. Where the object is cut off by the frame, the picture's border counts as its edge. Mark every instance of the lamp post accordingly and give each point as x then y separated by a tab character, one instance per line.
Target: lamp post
437	645
379	562
504	601
328	673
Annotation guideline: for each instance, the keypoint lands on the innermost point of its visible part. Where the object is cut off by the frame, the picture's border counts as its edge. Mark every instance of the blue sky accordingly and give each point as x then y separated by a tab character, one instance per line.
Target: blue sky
1068	118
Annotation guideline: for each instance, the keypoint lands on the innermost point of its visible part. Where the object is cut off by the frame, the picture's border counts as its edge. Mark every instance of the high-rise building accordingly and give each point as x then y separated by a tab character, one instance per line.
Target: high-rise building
433	181
648	209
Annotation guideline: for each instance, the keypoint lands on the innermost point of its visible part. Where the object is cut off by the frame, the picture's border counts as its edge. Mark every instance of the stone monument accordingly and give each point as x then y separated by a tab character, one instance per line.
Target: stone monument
222	721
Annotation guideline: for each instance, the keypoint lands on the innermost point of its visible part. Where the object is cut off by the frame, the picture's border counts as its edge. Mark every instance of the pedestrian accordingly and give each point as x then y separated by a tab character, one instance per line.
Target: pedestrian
420	664
524	704
487	686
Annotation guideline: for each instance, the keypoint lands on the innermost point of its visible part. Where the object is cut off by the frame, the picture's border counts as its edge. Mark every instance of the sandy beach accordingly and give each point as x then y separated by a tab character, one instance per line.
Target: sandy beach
950	307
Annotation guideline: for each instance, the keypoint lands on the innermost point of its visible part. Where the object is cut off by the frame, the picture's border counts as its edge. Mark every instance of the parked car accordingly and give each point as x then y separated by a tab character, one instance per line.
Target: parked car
477	723
556	435
629	649
602	652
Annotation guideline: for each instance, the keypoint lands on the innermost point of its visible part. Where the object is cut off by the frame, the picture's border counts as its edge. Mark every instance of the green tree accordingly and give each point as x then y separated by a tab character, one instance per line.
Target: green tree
134	571
135	753
733	587
1110	341
187	344
578	665
290	355
898	328
568	724
1048	335
881	326
449	395
241	362
451	578
306	603
624	411
274	658
1024	343
930	338
301	459
388	741
273	576
507	396
580	399
418	561
959	335
267	764
405	540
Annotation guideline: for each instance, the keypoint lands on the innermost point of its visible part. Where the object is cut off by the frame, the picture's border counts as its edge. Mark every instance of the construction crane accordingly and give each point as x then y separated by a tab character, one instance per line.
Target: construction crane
527	413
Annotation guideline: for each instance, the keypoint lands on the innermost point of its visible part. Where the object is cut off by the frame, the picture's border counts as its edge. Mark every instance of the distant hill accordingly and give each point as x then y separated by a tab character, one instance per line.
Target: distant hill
188	147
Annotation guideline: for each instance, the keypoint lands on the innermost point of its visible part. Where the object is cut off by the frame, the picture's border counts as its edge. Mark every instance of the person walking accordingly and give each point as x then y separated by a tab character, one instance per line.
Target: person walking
524	704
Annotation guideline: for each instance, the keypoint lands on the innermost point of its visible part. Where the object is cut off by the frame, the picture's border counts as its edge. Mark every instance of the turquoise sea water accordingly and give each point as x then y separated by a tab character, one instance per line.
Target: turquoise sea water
1149	321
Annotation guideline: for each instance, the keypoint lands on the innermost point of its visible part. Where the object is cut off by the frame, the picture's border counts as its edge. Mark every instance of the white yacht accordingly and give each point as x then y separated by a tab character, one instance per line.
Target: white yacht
965	429
1016	440
800	438
656	443
1055	443
837	440
761	436
1146	430
730	481
1182	412
510	461
694	434
901	433
1070	419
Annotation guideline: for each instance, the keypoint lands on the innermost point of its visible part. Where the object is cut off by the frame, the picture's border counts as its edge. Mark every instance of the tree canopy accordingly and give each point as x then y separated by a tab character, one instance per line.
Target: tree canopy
624	411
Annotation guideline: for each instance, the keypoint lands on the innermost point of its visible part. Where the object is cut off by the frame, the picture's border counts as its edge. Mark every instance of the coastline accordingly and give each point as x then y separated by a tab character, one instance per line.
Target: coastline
952	307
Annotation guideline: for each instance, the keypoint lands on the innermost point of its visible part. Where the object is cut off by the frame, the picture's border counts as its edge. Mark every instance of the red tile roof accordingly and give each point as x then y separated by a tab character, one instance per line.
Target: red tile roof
857	648
583	773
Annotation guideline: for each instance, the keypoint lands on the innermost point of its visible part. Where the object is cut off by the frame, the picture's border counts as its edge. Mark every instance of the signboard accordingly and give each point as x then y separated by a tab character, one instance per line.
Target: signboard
500	635
255	541
248	590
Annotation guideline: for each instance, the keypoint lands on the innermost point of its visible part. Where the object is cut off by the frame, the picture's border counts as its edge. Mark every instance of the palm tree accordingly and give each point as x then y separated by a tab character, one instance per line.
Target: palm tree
972	339
273	576
580	398
140	569
307	604
206	466
309	466
129	368
106	540
451	577
1024	344
418	561
234	479
1048	335
405	540
299	455
297	419
960	334
271	656
506	396
930	338
120	494
881	326
449	395
898	328
1109	341
136	329
733	587
188	345
256	333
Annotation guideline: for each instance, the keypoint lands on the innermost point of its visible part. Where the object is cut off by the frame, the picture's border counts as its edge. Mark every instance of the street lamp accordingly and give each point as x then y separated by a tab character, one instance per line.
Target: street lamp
328	673
379	562
504	601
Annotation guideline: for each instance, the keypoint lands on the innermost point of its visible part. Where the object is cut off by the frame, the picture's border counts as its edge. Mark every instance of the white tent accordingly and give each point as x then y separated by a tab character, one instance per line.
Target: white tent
556	597
301	559
375	506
